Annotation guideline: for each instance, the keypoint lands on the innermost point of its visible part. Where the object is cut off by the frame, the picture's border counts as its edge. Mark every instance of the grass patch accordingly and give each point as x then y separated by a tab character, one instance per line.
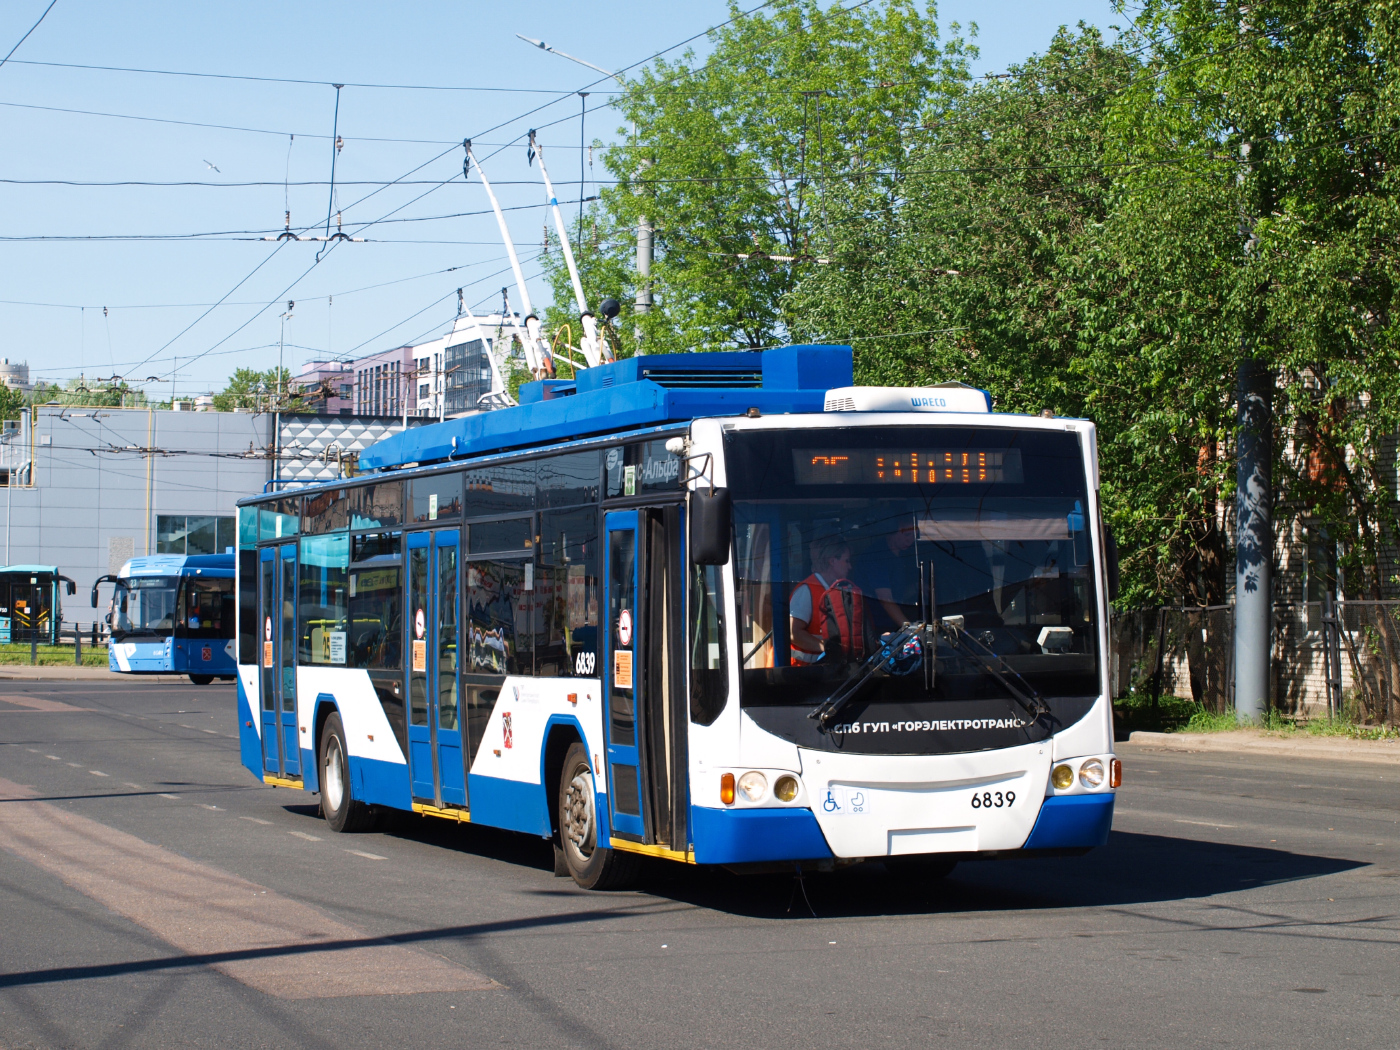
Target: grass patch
52	655
1175	715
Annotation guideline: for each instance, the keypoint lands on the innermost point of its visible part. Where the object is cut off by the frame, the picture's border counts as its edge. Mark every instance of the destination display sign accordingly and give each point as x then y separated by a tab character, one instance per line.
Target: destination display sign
964	466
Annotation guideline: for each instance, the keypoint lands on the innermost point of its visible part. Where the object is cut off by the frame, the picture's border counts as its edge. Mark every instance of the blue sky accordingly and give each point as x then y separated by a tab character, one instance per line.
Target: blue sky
360	297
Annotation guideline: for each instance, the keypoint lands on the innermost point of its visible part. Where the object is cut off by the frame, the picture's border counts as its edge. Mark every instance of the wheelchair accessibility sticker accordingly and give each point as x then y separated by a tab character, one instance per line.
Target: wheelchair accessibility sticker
845	801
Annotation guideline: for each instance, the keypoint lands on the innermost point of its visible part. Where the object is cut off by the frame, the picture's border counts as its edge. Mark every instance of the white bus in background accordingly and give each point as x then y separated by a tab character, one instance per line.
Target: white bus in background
719	608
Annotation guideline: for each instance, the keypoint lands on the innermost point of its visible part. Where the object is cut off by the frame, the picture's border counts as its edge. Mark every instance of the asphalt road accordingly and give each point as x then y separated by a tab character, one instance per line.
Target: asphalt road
1242	901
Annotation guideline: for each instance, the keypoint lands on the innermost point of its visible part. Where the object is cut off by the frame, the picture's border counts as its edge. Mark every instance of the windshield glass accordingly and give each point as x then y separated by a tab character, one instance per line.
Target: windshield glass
144	605
844	535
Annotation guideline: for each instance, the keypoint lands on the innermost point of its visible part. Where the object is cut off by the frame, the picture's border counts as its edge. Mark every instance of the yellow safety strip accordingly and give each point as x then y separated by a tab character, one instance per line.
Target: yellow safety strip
461	816
684	856
274	780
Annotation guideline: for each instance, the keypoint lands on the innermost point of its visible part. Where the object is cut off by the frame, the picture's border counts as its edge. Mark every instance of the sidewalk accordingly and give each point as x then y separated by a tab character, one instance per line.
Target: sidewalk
1260	742
74	673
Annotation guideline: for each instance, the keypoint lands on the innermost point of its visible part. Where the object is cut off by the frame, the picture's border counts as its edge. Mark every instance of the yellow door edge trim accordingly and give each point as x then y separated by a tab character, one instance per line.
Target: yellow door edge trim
684	856
461	816
273	780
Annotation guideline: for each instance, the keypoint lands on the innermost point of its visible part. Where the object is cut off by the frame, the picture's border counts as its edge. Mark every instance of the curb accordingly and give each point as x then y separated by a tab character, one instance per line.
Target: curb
62	673
1246	742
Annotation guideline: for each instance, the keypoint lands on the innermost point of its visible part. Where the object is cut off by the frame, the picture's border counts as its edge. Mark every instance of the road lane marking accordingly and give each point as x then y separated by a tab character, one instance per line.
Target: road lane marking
135	787
99	773
255	820
54	757
259	937
38	703
304	835
367	856
205	805
175	797
1205	823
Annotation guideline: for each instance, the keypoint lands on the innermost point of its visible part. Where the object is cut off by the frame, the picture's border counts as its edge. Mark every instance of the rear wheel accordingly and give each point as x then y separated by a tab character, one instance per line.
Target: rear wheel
201	679
343	812
592	866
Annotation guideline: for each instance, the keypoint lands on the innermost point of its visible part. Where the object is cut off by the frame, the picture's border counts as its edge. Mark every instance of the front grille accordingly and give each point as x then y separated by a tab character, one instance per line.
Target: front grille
719	378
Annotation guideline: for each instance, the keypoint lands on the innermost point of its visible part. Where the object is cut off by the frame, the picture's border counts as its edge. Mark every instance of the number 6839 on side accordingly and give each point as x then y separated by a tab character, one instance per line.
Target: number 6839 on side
992	799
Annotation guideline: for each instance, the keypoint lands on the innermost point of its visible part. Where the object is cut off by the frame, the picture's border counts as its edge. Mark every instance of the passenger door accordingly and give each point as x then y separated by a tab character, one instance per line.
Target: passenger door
621	681
434	686
277	617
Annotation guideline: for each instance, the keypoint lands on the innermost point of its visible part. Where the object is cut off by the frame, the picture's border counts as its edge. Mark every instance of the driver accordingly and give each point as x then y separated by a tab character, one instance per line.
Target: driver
827	611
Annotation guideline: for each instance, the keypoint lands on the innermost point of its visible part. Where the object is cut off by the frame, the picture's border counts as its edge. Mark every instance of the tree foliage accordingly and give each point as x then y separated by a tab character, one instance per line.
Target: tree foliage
1103	231
258	391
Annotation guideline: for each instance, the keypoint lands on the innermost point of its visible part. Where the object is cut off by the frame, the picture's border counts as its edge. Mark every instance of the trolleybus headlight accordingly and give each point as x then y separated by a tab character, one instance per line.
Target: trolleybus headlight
753	784
1062	777
785	788
726	789
1091	773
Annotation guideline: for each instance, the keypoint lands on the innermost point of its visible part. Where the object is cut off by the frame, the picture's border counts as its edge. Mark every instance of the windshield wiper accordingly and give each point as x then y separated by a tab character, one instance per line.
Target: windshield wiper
927	635
960	640
890	648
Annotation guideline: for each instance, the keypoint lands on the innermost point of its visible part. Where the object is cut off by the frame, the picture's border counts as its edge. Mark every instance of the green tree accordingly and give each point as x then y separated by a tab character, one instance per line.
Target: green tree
735	157
258	391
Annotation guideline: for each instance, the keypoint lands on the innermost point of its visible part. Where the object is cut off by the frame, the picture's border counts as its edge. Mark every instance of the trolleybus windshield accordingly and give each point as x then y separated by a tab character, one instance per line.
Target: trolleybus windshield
144	606
843	535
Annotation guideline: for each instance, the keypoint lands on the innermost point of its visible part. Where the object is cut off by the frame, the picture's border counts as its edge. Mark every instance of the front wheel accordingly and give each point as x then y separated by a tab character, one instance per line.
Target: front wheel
201	679
343	812
592	866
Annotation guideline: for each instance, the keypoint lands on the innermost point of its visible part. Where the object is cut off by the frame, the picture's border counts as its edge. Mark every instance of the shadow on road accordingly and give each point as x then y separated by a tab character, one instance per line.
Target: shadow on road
1131	869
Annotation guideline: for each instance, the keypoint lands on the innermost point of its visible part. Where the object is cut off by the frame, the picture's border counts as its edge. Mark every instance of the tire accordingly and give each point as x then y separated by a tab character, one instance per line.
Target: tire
592	866
924	867
201	679
343	812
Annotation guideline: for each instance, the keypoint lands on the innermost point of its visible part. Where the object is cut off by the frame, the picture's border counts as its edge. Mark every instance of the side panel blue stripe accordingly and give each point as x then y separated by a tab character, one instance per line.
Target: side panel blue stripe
741	836
509	804
380	783
249	743
1069	821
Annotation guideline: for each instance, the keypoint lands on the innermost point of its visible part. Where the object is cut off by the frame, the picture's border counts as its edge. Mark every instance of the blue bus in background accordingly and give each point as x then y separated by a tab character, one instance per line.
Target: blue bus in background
31	608
172	614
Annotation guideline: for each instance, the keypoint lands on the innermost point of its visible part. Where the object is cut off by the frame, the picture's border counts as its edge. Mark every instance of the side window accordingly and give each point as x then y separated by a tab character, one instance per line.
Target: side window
566	594
498	615
207	605
248	633
375	594
322	634
709	682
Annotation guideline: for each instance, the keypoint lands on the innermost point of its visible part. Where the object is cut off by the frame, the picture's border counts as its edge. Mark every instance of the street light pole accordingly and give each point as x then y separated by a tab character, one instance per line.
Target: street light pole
277	406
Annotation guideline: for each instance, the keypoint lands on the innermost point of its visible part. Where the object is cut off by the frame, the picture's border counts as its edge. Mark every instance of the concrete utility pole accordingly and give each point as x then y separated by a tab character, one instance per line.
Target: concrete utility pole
1254	537
1254	533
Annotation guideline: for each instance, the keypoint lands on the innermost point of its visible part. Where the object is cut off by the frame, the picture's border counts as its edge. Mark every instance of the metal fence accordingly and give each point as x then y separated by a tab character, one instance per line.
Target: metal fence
1326	660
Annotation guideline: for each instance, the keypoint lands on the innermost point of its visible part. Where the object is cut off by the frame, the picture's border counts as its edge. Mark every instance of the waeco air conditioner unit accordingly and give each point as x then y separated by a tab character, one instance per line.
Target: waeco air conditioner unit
946	397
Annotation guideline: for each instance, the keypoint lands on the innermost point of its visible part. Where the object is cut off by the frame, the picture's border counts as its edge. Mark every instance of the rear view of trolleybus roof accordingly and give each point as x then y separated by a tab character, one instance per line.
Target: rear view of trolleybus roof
668	388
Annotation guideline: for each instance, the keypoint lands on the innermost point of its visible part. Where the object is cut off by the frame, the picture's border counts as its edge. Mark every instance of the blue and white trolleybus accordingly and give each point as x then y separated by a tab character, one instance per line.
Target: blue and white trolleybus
172	614
722	608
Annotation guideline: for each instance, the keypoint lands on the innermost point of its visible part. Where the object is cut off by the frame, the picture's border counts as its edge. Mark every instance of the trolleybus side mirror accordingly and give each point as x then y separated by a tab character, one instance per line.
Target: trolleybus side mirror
710	525
1110	550
100	581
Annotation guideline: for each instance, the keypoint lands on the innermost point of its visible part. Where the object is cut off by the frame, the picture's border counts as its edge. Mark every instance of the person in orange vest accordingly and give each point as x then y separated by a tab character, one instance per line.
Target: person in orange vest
826	612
